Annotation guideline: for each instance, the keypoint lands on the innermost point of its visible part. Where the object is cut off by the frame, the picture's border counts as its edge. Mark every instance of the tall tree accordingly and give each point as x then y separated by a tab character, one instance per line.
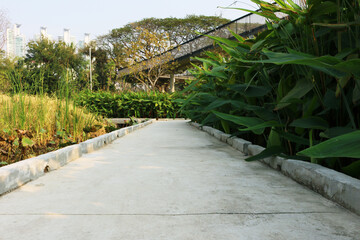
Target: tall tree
150	46
121	43
52	63
181	30
103	66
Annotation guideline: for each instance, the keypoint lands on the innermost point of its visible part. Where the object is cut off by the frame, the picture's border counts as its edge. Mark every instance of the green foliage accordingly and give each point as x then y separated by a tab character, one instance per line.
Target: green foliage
5	65
103	66
124	46
130	104
47	67
295	87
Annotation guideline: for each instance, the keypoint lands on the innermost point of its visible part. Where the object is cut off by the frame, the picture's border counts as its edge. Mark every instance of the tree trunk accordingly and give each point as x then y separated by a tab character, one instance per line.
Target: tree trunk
172	83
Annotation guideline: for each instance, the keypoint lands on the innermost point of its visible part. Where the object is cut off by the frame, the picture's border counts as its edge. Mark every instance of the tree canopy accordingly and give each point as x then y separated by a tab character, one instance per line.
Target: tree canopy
52	63
120	47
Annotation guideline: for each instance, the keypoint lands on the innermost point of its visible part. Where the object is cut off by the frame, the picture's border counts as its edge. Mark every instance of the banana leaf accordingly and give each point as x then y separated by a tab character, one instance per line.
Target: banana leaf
268	152
310	122
241	121
250	90
347	145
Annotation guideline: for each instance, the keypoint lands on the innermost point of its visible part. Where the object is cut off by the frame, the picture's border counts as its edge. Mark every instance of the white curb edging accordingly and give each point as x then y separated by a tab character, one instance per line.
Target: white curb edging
19	173
333	185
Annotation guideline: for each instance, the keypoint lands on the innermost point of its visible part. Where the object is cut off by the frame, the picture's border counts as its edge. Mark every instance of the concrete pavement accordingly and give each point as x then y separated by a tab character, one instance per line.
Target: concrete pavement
170	181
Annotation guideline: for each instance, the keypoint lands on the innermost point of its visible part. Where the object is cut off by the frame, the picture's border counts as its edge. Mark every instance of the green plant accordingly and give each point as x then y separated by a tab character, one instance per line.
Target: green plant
130	104
294	89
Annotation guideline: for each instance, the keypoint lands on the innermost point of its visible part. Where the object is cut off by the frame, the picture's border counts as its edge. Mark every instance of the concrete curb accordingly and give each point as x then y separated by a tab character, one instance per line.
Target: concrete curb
331	184
19	173
126	120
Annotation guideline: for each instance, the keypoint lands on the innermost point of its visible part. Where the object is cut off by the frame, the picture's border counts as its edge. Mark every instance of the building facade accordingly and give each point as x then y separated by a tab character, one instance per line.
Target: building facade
15	42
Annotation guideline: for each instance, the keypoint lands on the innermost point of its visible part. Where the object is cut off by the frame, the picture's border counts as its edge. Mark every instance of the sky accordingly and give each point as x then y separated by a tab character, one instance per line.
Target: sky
98	17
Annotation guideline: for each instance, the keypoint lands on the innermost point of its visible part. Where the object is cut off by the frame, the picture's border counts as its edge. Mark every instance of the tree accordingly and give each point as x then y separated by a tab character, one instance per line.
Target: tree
180	30
119	43
53	63
103	66
150	46
5	65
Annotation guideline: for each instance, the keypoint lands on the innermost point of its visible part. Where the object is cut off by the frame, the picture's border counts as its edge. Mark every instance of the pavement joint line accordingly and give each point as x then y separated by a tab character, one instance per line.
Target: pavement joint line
169	214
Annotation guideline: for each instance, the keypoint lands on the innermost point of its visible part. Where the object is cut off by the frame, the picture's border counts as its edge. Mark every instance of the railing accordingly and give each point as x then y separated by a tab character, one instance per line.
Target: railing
246	26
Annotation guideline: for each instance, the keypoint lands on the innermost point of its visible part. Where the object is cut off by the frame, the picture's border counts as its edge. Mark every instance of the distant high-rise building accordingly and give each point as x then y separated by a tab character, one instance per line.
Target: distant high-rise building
43	34
15	42
67	38
86	41
87	38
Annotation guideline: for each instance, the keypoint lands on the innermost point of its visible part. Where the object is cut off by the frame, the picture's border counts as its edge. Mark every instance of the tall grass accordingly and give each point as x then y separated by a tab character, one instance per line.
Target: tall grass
43	116
34	124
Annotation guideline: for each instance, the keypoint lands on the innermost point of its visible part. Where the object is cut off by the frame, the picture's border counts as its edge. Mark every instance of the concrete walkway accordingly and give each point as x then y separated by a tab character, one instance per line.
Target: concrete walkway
170	181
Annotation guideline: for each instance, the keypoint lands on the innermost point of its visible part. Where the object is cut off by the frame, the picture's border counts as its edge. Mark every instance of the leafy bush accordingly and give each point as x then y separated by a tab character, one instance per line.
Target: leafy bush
130	104
294	89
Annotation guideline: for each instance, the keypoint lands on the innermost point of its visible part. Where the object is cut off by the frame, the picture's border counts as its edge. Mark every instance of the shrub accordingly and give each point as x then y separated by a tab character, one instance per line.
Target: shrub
294	89
130	104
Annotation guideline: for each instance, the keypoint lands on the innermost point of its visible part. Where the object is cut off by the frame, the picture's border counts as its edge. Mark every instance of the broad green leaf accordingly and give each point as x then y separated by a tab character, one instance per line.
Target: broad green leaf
221	102
250	90
336	25
356	92
237	53
302	87
237	36
225	126
342	82
353	169
242	121
294	5
268	152
257	45
226	41
347	145
216	74
336	131
273	139
262	126
327	64
324	8
349	66
210	119
27	142
344	53
330	100
209	61
310	122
